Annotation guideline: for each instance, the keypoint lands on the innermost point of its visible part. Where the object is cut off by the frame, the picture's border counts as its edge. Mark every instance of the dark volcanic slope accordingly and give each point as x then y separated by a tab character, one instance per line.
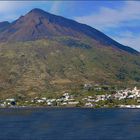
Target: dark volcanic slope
38	24
4	25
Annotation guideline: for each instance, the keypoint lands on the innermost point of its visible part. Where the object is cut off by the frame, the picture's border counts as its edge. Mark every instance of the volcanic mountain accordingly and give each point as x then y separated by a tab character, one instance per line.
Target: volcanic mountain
41	52
38	24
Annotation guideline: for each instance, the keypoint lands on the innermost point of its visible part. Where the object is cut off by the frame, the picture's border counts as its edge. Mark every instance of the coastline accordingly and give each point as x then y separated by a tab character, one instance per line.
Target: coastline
62	107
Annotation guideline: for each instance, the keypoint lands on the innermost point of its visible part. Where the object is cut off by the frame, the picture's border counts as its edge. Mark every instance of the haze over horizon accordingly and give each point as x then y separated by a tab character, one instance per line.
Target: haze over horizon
120	23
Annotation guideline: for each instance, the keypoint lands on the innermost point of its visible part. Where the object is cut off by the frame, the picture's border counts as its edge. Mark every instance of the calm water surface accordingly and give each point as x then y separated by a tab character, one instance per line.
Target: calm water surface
69	124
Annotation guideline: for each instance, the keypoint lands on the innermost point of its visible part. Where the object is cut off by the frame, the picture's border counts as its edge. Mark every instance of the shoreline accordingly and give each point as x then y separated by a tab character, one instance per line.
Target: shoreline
47	107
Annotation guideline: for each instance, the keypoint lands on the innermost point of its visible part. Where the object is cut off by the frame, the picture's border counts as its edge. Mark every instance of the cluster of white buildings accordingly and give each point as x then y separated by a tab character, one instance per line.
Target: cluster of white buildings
127	94
92	100
119	95
66	99
8	102
69	100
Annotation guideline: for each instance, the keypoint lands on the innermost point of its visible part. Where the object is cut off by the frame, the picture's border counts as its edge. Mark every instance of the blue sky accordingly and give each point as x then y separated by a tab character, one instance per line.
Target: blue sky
118	19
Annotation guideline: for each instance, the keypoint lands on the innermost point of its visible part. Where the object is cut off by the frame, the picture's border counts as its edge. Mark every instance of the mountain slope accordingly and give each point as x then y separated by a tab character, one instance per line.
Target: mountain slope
41	53
34	68
4	25
38	24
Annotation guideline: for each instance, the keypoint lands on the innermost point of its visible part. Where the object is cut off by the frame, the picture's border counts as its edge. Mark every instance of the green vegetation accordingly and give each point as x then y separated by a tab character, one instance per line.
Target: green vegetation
57	65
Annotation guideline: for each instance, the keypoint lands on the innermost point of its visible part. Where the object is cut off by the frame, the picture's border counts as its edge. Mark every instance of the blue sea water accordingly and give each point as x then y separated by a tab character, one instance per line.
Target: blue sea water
69	124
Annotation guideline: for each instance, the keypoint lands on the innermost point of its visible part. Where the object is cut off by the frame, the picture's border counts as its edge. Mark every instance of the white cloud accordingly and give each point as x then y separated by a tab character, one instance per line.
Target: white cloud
9	9
134	42
108	17
7	6
55	7
128	39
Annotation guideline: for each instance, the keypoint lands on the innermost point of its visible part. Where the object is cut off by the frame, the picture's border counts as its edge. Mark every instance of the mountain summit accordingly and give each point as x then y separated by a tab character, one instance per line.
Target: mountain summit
38	24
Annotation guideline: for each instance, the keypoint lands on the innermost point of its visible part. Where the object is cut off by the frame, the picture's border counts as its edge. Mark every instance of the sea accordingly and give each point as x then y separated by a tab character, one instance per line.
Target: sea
69	124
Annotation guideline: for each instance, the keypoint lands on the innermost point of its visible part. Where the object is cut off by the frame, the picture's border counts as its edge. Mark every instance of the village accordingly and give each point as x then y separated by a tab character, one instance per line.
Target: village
126	98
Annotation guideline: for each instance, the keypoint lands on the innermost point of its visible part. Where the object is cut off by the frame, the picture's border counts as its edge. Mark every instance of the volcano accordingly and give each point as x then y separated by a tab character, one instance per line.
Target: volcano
42	53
